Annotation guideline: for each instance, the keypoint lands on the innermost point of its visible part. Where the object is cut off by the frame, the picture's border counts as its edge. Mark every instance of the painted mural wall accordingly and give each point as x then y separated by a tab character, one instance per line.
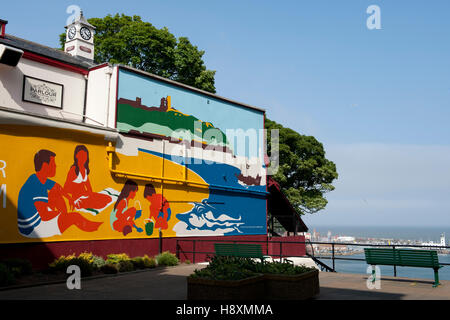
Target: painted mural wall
218	141
59	184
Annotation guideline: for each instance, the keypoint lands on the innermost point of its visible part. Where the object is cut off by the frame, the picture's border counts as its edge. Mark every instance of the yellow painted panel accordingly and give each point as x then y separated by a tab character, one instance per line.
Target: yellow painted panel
19	144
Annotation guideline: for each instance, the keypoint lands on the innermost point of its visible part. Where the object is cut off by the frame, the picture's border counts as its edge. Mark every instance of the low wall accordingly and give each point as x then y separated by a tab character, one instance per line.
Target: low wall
272	246
289	246
42	253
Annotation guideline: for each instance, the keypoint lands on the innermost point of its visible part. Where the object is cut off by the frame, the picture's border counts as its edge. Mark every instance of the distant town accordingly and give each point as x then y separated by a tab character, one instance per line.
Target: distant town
322	244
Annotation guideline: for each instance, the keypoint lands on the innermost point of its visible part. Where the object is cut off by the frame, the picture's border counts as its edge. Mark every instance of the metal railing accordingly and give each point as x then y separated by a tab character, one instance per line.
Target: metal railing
279	244
333	256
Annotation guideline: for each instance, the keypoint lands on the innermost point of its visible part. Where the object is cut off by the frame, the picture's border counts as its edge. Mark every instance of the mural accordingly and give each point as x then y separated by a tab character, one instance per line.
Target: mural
159	207
123	217
61	189
79	188
72	185
163	121
236	200
228	209
41	209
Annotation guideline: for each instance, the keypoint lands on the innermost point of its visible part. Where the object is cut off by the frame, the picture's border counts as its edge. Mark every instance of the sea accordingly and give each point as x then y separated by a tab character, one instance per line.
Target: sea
423	234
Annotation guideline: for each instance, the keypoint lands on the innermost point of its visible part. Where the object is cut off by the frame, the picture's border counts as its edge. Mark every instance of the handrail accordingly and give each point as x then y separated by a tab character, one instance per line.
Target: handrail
110	150
333	257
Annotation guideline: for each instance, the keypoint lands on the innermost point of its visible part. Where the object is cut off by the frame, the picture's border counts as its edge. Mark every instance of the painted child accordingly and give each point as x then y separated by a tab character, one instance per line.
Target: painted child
159	207
122	216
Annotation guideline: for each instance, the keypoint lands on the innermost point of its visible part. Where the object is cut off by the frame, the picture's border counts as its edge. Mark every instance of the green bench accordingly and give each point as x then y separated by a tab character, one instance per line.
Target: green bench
240	250
404	258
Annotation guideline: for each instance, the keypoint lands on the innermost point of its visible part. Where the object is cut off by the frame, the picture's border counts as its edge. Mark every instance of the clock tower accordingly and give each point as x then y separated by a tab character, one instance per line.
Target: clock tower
80	39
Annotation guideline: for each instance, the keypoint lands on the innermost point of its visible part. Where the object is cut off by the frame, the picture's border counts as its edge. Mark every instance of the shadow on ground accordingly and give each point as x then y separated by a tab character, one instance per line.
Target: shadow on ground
327	293
158	284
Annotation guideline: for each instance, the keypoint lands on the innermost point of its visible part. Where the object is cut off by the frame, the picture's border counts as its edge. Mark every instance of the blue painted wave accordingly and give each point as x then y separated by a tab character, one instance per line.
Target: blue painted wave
224	211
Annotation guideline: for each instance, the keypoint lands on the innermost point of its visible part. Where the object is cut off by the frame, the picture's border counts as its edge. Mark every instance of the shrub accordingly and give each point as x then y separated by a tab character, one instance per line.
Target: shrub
98	262
109	268
236	268
87	256
149	262
143	262
166	259
86	267
95	261
87	262
121	260
281	268
61	263
117	257
19	267
226	268
138	262
125	266
6	275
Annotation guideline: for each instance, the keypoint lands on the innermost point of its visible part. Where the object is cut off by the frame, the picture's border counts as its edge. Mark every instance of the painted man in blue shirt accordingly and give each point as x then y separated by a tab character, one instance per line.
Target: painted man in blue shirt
42	210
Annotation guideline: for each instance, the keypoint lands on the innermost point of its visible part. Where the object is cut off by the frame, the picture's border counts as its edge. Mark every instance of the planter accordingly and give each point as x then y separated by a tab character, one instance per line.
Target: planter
246	289
291	287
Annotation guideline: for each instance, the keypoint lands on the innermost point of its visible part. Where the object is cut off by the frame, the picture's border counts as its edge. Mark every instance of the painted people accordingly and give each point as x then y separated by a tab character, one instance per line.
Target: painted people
159	207
42	210
78	184
123	216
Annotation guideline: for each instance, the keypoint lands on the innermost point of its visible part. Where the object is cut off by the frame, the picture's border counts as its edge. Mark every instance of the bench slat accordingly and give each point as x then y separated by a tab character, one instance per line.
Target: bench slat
239	250
402	257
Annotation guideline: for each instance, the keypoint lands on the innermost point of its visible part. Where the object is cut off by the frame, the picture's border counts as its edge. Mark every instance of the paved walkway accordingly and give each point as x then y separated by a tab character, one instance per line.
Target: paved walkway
342	286
170	284
154	284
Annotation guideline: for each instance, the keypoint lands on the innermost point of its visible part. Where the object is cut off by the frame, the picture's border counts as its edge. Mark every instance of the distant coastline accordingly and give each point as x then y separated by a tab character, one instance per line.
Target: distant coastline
418	233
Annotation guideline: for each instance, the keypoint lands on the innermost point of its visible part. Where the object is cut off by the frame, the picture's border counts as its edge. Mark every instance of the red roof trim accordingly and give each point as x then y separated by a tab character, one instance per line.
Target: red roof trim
55	63
99	66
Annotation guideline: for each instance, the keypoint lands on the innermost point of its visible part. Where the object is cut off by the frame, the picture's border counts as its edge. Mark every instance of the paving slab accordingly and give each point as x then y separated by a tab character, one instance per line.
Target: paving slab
170	284
344	286
155	284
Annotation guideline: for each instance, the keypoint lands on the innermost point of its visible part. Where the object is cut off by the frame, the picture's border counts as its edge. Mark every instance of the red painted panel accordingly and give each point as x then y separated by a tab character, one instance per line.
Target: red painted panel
289	247
41	254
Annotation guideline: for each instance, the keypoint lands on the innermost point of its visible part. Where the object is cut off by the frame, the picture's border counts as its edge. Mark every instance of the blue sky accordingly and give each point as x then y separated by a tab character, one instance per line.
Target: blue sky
377	99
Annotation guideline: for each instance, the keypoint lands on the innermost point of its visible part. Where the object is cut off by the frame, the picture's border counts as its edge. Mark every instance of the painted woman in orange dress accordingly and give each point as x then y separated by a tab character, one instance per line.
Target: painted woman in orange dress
78	184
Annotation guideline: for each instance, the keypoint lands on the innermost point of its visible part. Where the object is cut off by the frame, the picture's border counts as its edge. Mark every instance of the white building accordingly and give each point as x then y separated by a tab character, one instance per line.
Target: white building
38	80
345	239
441	243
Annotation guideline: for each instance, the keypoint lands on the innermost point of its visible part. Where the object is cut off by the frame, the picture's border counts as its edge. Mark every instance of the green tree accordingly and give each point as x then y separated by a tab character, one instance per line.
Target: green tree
304	174
133	42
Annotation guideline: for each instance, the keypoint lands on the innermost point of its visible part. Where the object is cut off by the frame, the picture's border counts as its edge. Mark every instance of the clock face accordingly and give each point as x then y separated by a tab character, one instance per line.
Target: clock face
85	33
71	33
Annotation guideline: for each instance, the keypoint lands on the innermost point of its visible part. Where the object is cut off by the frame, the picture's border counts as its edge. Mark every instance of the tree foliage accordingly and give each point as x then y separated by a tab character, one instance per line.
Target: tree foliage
304	174
130	41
